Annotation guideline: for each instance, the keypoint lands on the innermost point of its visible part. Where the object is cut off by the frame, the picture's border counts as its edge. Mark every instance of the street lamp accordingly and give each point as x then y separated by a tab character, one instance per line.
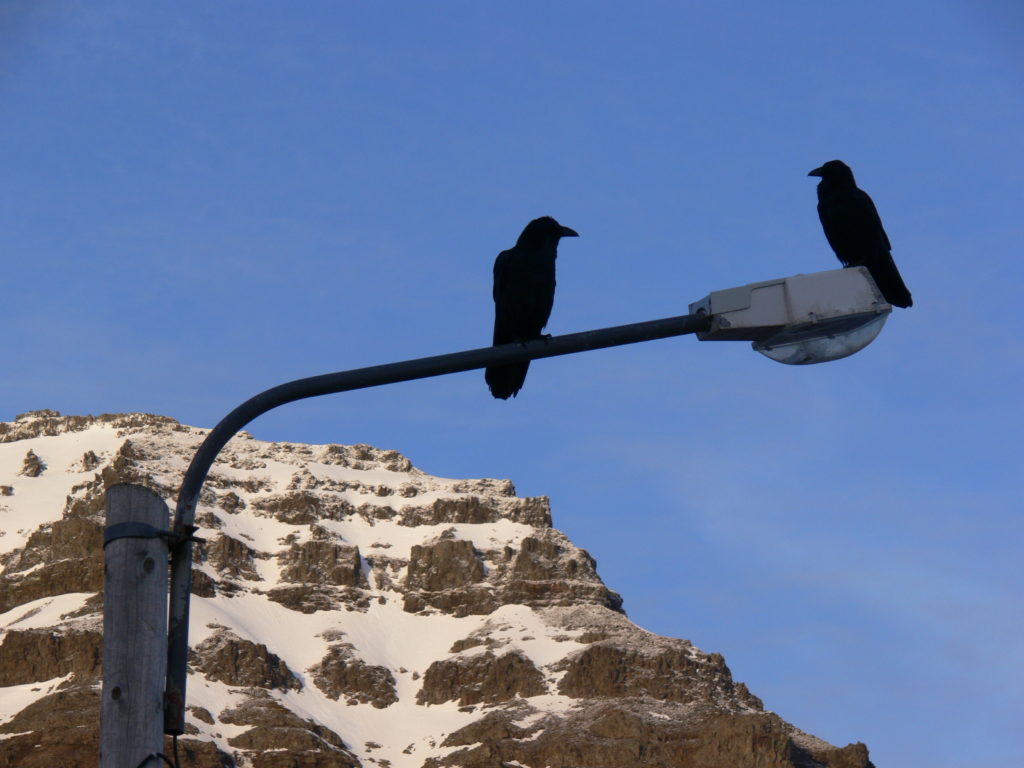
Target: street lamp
802	319
799	320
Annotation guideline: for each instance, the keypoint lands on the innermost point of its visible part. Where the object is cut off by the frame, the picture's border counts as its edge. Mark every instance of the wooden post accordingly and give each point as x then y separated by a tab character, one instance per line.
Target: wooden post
134	628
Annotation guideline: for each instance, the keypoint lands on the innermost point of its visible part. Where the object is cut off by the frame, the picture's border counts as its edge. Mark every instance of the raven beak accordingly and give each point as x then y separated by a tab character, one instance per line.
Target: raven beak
816	172
566	232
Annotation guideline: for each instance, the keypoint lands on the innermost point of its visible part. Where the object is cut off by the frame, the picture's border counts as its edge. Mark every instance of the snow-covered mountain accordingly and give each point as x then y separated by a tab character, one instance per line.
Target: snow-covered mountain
350	610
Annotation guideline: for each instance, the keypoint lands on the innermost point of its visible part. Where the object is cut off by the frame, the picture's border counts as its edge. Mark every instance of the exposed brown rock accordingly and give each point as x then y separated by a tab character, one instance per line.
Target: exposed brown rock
34	655
474	600
56	730
69	552
443	565
450	576
851	756
303	507
492	727
309	759
491	487
196	753
228	658
361	456
66	539
60	730
88	500
48	423
252	484
548	570
444	574
32	466
303	479
473	641
231	502
623	734
238	461
232	558
310	598
89	461
201	714
129	466
540	560
481	678
301	742
464	510
208	521
678	674
531	511
322	561
202	584
342	674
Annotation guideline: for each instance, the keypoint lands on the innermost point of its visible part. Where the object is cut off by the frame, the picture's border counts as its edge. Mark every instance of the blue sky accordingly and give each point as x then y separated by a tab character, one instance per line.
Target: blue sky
202	200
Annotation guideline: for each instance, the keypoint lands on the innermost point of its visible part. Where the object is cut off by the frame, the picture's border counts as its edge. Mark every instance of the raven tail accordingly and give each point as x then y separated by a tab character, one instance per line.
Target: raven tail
890	283
505	381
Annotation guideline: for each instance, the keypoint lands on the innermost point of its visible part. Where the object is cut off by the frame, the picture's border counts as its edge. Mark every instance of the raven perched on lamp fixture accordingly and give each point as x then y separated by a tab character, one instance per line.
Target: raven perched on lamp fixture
855	232
524	292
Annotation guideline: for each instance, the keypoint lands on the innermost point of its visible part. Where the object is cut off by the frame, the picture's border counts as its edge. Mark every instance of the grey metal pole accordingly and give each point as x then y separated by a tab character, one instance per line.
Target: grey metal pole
343	381
134	627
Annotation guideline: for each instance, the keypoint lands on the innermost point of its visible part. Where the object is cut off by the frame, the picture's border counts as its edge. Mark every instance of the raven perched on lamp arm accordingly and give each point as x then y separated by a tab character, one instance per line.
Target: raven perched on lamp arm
855	232
524	292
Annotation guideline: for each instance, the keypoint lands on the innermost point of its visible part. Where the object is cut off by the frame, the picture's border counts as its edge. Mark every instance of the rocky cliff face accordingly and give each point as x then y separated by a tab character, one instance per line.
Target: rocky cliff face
349	610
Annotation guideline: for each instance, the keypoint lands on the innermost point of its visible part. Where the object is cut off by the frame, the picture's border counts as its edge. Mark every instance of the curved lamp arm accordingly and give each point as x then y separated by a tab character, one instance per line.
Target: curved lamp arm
343	381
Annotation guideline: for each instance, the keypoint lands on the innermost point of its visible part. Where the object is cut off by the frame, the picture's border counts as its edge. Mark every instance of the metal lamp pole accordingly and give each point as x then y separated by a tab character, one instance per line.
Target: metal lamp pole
343	381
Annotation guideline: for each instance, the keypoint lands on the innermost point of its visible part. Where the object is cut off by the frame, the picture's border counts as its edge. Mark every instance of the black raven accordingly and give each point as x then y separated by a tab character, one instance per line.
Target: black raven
854	230
524	291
